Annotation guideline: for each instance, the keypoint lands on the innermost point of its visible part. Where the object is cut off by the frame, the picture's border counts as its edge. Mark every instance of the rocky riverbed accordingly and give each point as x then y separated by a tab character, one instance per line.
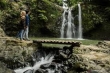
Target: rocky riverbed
84	59
93	58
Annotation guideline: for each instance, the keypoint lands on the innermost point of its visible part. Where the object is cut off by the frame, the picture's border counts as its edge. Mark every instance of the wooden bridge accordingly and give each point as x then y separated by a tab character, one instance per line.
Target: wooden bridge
72	43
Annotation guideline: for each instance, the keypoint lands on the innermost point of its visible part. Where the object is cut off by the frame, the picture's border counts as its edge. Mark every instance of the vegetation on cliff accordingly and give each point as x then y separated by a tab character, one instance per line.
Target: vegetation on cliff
46	13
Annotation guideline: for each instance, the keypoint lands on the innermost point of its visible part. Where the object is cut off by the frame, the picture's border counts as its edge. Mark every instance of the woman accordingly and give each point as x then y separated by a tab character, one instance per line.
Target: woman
21	25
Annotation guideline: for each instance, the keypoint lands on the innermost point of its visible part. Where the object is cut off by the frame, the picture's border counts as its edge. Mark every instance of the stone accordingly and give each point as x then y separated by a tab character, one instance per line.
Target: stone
4	69
2	34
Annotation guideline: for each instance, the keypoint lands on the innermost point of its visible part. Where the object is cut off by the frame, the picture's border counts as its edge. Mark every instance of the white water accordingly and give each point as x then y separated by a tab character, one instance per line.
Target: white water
63	24
67	22
44	60
68	29
80	23
65	7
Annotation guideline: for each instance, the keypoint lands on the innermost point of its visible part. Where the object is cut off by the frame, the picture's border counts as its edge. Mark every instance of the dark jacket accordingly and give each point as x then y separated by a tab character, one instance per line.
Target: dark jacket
22	24
27	20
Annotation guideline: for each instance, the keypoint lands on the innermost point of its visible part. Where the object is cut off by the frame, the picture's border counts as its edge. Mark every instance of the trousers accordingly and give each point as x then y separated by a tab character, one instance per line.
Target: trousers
25	34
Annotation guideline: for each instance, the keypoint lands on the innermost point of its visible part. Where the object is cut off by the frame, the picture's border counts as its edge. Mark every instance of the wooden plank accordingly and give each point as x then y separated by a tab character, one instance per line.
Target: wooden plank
58	42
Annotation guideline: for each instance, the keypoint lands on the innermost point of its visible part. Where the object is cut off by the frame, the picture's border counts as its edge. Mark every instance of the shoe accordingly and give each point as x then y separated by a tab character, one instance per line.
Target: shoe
27	39
24	39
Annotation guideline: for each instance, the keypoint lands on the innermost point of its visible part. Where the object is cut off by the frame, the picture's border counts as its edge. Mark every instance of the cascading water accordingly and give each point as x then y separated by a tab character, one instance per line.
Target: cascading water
80	23
63	25
44	60
67	22
68	29
64	22
48	61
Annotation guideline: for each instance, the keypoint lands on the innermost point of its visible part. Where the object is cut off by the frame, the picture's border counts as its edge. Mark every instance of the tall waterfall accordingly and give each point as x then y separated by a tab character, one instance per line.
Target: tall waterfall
80	23
63	25
71	32
68	29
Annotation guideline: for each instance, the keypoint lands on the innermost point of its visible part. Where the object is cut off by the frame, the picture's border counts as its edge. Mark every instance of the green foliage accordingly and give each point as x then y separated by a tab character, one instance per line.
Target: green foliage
90	18
58	2
3	4
96	19
1	16
44	14
11	20
73	2
45	10
43	17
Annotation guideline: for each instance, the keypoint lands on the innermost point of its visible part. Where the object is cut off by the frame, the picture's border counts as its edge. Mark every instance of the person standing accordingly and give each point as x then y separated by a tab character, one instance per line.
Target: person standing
21	25
25	35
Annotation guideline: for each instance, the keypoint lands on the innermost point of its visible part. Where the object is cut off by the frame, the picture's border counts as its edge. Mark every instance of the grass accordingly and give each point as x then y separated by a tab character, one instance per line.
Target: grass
84	41
89	42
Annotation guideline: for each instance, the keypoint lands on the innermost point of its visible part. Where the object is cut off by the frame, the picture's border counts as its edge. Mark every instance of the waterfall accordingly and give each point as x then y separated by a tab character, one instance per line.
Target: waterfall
65	7
68	29
80	23
63	24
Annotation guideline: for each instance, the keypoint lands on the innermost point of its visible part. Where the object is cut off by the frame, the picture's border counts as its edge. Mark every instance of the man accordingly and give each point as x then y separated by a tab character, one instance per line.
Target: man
27	26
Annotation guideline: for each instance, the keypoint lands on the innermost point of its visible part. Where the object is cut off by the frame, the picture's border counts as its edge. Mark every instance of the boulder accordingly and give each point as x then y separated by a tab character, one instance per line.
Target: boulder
2	34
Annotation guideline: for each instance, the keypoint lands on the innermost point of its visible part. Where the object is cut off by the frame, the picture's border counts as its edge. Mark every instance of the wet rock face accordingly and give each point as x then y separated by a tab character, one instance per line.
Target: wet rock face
4	69
60	62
